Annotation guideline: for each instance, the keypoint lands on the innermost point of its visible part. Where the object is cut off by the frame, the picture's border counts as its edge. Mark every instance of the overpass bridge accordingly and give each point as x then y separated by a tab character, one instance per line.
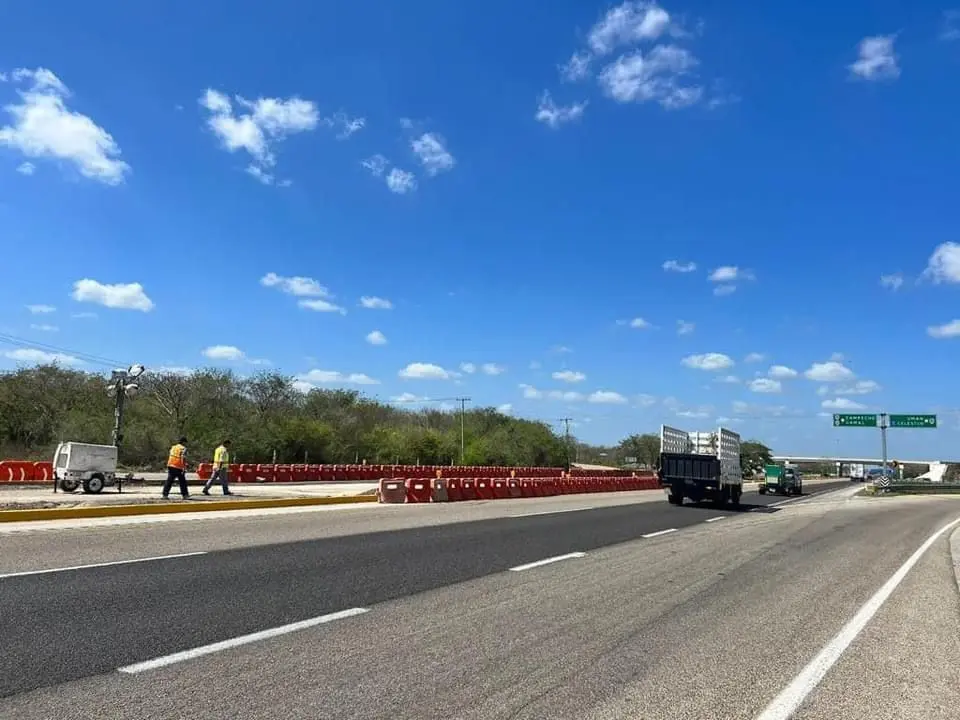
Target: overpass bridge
858	460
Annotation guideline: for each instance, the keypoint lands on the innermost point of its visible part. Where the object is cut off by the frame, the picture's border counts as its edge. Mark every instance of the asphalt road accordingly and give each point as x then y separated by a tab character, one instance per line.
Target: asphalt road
741	604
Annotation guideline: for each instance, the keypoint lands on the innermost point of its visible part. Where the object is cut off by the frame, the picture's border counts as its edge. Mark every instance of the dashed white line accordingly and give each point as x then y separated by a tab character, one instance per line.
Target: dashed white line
792	696
658	533
721	517
547	561
550	512
238	641
99	565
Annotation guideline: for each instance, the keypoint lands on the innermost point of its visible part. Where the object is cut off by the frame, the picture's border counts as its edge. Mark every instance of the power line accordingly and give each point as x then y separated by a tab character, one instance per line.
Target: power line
23	343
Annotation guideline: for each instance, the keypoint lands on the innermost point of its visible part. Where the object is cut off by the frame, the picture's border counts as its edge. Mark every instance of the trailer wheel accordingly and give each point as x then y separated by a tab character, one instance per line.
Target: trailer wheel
93	484
69	484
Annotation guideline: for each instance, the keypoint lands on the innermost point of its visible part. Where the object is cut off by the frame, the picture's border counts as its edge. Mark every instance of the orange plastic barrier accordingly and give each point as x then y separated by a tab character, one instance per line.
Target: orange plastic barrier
438	490
43	471
513	488
14	471
392	490
468	488
454	489
418	490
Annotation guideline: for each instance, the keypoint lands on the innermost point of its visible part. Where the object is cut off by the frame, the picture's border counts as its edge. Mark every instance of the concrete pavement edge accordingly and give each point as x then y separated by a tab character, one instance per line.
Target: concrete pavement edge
174	507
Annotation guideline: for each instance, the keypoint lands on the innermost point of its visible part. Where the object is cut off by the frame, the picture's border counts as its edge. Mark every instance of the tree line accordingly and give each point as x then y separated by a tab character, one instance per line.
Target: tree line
269	419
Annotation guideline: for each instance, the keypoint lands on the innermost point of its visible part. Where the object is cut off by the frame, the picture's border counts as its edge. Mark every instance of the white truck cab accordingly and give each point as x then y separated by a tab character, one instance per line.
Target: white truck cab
92	466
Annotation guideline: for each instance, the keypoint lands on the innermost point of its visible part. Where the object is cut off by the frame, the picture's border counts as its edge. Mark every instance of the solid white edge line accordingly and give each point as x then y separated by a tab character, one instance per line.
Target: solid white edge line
238	641
547	561
792	696
99	565
659	533
549	512
715	519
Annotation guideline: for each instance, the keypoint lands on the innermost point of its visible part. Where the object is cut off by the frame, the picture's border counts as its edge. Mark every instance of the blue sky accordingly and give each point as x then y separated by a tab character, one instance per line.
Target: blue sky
597	211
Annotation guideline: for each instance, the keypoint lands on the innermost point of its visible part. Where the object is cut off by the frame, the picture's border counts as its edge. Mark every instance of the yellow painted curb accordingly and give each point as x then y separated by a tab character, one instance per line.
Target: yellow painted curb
175	507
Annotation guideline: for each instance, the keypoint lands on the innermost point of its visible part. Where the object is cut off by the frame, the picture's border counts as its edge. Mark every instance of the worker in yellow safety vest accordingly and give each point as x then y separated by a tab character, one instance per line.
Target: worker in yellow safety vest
177	469
221	468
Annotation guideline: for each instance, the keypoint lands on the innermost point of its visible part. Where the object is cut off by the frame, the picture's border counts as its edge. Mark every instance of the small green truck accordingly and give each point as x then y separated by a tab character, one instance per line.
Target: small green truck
779	480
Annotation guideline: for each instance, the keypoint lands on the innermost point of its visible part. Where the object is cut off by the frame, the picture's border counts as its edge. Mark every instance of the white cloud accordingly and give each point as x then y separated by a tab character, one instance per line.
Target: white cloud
639	323
861	387
492	369
841	404
755	357
680	267
721	290
570	376
729	379
606	397
45	328
347	125
297	285
765	385
328	377
375	303
431	150
41	309
400	181
659	76
171	370
320	305
468	368
26	168
530	392
782	372
944	264
409	398
627	24
40	357
553	115
576	68
708	361
266	122
693	413
947	330
376	165
123	296
44	127
425	371
729	274
830	371
84	316
561	349
949	29
224	352
894	281
505	409
377	338
644	400
684	327
876	60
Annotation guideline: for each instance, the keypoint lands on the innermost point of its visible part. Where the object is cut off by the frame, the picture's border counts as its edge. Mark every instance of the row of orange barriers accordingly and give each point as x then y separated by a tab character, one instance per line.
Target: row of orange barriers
441	489
25	471
346	473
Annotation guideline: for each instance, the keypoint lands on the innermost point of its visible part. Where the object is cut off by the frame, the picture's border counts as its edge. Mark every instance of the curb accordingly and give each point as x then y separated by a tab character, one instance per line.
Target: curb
955	553
175	507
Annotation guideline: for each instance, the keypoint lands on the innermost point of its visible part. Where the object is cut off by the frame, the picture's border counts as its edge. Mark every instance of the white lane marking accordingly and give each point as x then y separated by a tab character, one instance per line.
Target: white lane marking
790	500
658	533
547	561
550	512
792	696
716	518
99	565
238	641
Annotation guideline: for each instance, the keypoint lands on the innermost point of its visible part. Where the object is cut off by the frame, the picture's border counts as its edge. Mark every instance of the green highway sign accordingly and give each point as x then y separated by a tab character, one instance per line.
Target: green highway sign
912	421
846	420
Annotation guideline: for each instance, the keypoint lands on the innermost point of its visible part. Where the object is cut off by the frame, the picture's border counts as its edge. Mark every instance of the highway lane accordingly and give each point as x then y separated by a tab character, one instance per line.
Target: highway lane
110	616
740	605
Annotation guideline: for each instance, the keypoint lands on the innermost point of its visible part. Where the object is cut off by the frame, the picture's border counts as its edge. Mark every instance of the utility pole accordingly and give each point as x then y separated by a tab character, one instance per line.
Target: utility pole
883	444
463	401
566	438
121	387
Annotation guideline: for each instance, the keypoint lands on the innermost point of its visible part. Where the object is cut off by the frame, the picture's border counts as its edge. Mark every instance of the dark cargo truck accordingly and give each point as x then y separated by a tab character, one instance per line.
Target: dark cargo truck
700	466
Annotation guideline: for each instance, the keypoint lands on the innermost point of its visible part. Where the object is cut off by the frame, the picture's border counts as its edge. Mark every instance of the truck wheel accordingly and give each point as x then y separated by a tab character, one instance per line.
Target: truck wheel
675	499
735	494
69	484
723	497
762	490
93	484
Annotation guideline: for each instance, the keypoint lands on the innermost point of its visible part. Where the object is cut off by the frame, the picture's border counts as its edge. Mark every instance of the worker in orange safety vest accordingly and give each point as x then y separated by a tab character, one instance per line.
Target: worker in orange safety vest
177	469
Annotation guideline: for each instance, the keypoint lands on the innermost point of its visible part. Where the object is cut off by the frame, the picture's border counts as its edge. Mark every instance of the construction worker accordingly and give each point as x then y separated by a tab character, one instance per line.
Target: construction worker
221	466
177	469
